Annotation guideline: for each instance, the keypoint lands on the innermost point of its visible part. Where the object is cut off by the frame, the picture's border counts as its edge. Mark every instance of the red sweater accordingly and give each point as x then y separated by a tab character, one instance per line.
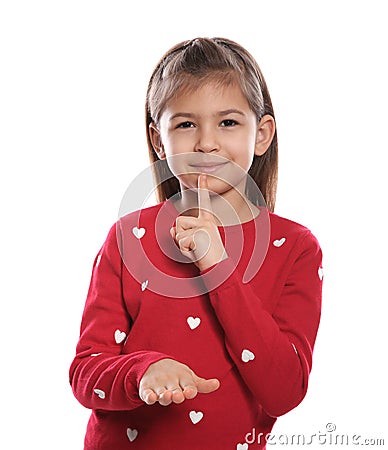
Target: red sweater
145	303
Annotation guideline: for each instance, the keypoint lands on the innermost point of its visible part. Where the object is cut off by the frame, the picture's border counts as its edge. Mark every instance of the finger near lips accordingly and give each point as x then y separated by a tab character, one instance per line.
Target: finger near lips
204	202
202	242
186	243
192	239
185	240
183	223
190	233
196	243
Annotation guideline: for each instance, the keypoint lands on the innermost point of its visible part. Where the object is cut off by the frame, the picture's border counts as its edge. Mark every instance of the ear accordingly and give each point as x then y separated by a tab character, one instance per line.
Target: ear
156	140
265	133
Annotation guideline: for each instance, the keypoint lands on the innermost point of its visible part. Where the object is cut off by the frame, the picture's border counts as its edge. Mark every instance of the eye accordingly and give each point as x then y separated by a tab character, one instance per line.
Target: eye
186	124
228	123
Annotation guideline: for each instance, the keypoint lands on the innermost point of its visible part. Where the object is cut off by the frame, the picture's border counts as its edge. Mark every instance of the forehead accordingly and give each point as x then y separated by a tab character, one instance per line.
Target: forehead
208	96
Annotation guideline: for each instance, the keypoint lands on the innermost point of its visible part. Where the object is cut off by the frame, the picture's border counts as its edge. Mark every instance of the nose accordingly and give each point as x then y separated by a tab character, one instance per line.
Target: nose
207	142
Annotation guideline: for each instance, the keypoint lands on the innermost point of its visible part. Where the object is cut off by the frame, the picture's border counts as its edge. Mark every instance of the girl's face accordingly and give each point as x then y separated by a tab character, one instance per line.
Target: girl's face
211	130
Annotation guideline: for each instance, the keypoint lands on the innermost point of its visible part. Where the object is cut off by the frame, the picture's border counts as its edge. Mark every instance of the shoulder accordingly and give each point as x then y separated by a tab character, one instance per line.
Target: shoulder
297	247
299	234
287	225
133	223
146	214
140	220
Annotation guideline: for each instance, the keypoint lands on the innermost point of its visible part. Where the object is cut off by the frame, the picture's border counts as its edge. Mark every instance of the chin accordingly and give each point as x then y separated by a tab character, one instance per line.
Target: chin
217	186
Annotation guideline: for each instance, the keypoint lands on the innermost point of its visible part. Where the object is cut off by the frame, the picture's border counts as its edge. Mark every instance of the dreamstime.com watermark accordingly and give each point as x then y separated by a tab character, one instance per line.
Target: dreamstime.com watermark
330	436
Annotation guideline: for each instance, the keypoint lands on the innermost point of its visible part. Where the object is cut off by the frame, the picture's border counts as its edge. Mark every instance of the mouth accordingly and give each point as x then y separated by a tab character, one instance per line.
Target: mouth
207	167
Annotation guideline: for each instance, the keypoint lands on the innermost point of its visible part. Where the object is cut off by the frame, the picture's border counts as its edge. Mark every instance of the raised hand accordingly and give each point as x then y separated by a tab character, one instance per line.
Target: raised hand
168	381
198	238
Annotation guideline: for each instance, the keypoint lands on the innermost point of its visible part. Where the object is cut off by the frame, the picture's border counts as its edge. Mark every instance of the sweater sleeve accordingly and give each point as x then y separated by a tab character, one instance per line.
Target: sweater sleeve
100	375
273	352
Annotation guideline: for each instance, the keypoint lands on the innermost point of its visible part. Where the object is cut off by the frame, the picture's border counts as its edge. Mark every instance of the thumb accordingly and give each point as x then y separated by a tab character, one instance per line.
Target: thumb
206	386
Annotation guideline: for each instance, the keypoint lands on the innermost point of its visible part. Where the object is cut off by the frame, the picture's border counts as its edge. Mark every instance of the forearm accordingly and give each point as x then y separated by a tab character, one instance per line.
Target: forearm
273	350
263	354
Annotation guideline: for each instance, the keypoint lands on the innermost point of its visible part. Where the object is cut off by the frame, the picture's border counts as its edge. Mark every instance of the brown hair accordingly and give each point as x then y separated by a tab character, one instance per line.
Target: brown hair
188	65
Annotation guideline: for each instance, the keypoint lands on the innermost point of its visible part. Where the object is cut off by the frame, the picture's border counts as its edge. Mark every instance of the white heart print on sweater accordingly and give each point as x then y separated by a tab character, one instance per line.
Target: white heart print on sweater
98	260
320	273
193	322
99	393
242	446
144	285
119	336
247	355
132	434
138	232
196	416
279	242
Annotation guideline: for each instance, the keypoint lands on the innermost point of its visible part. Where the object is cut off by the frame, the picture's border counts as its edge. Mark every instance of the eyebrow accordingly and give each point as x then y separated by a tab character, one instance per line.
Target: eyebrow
181	114
231	111
220	113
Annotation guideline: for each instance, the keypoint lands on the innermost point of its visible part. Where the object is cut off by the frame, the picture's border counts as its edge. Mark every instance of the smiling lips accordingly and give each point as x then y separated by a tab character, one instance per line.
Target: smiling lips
208	167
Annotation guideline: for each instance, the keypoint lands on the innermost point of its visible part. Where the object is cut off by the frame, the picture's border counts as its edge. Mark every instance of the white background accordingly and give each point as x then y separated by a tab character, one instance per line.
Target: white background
72	86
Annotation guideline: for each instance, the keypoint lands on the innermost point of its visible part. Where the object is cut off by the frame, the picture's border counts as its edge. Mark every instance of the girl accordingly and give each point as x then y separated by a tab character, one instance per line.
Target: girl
202	311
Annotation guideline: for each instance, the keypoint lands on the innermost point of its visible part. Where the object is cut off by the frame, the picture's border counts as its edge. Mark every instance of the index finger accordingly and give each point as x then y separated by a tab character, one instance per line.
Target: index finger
204	202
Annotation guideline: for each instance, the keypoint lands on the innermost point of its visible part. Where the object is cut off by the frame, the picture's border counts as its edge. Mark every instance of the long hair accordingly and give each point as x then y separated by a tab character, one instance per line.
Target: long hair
185	67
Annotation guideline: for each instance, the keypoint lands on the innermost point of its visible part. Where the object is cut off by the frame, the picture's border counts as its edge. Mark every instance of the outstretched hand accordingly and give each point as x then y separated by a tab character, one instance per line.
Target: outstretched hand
198	238
168	381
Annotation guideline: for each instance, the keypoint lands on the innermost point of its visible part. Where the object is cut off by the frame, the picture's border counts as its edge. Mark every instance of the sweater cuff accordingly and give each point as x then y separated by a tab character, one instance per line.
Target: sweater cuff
219	275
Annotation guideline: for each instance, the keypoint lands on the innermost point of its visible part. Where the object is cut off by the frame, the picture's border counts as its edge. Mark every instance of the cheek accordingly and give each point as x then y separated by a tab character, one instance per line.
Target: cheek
245	139
178	162
242	149
177	144
177	150
235	175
